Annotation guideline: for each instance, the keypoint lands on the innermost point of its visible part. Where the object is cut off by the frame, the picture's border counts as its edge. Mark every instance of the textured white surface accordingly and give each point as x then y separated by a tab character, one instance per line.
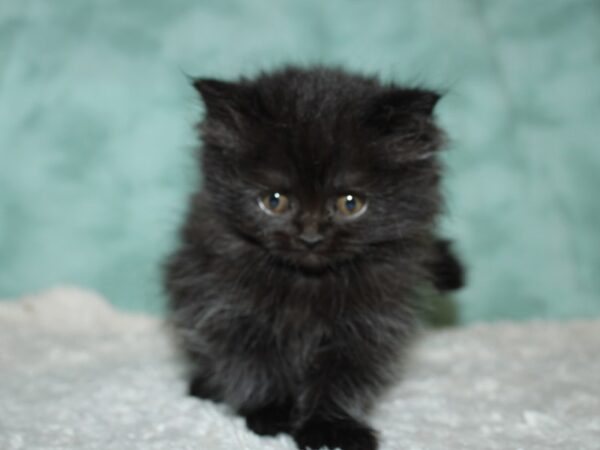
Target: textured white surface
75	374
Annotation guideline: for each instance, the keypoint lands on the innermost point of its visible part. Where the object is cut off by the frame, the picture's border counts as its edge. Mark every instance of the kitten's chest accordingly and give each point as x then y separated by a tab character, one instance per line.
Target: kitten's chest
278	312
294	315
276	322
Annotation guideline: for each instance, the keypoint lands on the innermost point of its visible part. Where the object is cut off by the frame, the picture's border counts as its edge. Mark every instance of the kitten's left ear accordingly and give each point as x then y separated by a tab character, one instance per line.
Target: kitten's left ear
403	117
417	101
396	104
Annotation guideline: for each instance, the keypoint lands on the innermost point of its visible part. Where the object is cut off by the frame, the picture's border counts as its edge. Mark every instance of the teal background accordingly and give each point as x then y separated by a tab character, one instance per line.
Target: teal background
96	132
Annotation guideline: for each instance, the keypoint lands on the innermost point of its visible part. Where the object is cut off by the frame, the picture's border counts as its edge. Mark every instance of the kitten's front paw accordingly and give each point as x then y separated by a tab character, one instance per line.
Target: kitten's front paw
345	434
199	387
270	420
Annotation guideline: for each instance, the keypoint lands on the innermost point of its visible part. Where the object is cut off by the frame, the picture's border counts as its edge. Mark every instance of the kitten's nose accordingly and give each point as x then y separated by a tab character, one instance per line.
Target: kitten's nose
311	240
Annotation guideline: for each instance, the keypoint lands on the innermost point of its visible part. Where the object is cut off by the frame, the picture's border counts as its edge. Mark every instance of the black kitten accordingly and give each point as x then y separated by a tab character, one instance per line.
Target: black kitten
291	289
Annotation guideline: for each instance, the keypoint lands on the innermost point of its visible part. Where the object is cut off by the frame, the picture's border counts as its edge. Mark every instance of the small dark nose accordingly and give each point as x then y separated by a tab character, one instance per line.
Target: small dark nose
311	240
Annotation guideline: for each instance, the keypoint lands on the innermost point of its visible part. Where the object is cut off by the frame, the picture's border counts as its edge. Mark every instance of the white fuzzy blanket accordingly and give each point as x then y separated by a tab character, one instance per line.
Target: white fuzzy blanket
76	374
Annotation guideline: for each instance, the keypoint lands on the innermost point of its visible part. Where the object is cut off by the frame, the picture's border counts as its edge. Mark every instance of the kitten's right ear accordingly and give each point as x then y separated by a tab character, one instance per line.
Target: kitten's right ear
220	97
230	110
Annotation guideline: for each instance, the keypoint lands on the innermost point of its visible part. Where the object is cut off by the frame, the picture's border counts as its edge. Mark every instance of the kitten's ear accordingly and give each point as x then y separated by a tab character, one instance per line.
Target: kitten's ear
416	101
219	97
396	105
404	119
231	108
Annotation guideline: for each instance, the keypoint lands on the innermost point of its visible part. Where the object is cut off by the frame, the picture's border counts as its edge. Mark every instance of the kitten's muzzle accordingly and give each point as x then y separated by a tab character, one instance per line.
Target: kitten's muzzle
311	240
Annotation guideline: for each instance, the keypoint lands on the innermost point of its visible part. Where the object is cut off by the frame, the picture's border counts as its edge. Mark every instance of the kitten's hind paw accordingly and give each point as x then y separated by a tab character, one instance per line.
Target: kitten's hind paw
269	420
345	434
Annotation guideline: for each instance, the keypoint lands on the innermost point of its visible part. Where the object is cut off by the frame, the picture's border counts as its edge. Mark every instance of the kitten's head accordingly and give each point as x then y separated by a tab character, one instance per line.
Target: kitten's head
320	167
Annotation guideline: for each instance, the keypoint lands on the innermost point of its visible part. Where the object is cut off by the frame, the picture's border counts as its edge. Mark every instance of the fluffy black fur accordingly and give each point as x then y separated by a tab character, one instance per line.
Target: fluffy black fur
295	337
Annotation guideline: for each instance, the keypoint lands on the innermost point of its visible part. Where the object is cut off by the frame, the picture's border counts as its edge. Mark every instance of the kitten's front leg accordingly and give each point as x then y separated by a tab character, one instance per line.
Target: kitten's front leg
269	419
200	387
343	433
336	390
448	273
201	383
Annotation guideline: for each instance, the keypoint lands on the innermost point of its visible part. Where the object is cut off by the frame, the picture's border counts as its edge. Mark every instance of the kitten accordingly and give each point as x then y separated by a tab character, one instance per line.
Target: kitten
291	289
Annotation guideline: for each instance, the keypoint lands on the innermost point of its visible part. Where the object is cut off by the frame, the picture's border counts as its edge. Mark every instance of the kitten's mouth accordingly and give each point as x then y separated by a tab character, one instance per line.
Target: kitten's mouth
311	262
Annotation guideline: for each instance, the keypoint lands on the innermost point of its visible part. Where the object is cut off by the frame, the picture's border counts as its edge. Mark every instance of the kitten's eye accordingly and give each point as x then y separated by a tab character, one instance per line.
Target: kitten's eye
350	205
274	203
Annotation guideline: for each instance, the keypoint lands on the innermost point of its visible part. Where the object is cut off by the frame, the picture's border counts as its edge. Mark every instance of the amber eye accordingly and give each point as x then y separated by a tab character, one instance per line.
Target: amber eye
350	205
274	203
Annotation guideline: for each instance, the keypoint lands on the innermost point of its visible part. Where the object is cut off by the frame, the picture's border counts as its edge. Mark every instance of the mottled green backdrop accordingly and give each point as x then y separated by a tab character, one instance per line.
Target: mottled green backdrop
96	132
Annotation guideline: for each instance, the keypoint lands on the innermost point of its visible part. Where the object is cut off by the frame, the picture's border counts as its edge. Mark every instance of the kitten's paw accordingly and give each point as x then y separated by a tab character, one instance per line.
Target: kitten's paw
270	420
199	387
447	270
345	434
